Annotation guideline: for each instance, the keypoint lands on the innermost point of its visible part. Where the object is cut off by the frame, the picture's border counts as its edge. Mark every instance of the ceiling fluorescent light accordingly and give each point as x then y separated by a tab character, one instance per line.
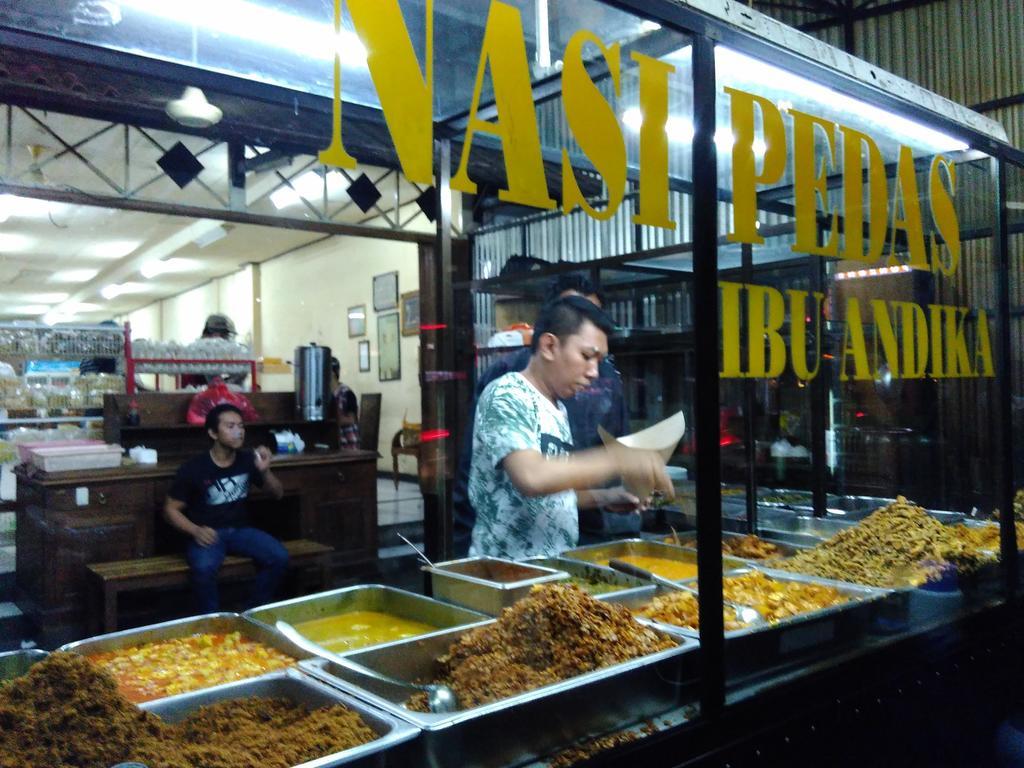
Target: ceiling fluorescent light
74	276
26	207
44	298
260	24
309	185
735	66
111	249
30	309
119	289
11	243
155	268
211	236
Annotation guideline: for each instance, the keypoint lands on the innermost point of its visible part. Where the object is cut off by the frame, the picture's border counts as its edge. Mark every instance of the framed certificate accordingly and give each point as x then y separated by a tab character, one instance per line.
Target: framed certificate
389	348
357	321
364	355
385	291
410	313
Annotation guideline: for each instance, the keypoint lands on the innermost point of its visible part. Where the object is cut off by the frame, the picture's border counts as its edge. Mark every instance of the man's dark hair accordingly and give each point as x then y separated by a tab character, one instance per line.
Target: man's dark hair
572	281
336	367
213	417
563	317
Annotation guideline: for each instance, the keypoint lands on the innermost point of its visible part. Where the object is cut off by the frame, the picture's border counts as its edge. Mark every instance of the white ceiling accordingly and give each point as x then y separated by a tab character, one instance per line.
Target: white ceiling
58	258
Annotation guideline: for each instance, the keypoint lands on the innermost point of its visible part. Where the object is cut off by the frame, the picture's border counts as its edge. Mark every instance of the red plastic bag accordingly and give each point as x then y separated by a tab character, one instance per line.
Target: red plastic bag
216	394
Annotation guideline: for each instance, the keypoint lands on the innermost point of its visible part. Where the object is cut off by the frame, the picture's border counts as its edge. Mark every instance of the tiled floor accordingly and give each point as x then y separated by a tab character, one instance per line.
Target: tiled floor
404	505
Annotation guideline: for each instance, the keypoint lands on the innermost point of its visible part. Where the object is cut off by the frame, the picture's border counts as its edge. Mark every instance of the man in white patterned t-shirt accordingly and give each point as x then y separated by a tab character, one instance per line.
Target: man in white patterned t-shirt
523	482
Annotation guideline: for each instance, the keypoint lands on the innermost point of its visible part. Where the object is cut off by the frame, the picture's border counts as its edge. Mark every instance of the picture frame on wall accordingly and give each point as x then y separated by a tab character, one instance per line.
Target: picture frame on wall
385	291
389	347
410	313
357	321
364	356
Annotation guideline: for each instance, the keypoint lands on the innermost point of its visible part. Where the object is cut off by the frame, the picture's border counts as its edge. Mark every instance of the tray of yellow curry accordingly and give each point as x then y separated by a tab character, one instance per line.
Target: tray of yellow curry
801	614
190	654
363	616
665	560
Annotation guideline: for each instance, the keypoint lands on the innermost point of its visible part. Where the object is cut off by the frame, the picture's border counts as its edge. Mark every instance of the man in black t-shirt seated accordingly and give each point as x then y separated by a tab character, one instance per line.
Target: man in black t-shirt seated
207	502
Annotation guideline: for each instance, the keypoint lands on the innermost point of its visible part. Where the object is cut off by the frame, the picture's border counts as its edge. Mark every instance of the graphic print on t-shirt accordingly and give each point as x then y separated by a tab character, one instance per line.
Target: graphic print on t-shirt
550	445
227	489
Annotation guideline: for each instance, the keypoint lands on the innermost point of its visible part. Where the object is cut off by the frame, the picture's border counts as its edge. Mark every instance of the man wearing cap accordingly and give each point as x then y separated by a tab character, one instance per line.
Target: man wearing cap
217	326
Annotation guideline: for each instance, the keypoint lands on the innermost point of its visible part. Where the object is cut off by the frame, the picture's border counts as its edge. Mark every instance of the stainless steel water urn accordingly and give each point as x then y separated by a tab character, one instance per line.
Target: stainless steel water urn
312	382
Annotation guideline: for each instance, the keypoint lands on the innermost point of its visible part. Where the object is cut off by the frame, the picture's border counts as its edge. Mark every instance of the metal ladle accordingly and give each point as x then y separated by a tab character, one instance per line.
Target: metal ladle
744	613
440	698
417	550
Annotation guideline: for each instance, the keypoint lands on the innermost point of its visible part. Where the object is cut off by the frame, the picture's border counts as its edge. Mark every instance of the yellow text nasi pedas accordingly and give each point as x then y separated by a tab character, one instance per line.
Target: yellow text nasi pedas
873	216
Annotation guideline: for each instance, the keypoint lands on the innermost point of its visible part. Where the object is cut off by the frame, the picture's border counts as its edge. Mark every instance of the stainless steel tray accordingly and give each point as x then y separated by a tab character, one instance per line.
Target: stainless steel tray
688	540
761	646
596	553
521	727
302	689
16	663
366	597
801	530
590	572
192	625
462	582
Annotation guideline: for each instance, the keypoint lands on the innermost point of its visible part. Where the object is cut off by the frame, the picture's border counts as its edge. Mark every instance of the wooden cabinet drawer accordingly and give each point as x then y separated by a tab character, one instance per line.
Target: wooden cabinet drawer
103	498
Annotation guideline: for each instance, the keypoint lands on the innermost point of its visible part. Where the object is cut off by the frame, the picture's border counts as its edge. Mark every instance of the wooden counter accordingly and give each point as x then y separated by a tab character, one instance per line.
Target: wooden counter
330	497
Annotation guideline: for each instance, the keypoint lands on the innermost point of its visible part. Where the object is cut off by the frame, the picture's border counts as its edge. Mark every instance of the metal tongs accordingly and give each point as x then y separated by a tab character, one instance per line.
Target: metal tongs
440	698
744	613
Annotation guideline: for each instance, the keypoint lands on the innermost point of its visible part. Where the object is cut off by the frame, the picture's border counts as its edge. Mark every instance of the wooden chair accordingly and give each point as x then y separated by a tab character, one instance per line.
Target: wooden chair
397	449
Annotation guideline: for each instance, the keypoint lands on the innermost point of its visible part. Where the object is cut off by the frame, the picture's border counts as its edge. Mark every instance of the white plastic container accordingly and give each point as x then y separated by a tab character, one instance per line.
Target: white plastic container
68	458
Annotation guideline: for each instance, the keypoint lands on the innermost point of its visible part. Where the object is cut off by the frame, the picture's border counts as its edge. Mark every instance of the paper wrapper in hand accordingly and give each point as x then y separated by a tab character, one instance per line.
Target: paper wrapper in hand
662	437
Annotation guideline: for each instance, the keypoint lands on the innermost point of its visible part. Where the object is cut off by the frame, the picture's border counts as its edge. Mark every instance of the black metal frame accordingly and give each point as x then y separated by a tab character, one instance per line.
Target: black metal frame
706	33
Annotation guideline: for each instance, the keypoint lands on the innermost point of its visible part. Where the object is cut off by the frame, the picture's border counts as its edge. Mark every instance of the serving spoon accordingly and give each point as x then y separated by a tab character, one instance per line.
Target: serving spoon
440	698
744	613
417	550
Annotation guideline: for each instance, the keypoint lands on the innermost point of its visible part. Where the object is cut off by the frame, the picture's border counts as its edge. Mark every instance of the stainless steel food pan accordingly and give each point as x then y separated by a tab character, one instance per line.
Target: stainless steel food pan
601	553
801	530
366	597
192	625
521	727
688	540
762	646
299	688
590	572
16	663
477	582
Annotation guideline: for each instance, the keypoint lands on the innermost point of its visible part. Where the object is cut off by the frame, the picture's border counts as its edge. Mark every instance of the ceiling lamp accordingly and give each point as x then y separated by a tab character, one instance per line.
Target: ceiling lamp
193	110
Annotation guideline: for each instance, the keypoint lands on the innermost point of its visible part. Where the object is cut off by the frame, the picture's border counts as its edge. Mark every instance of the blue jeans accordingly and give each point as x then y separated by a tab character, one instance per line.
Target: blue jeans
268	553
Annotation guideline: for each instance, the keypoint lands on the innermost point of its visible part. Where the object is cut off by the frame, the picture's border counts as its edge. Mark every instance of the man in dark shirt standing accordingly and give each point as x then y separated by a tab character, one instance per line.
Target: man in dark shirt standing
207	502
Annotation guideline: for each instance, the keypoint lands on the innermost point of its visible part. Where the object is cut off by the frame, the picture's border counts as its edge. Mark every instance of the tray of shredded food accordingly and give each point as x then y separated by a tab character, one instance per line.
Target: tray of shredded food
593	579
556	667
188	654
70	712
898	546
365	615
801	614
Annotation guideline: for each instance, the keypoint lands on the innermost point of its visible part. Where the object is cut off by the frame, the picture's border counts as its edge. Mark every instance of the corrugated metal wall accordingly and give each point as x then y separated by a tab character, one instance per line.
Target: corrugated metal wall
970	51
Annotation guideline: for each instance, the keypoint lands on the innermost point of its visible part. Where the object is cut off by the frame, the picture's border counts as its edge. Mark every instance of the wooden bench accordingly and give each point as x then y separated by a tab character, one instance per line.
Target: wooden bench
113	578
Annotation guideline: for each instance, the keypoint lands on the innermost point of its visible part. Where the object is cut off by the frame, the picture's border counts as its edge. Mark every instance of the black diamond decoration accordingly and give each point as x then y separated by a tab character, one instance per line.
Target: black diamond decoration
181	165
428	204
363	193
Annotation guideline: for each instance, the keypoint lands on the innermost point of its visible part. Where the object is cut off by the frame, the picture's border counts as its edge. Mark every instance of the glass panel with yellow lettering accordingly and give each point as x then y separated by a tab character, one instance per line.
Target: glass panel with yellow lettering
859	405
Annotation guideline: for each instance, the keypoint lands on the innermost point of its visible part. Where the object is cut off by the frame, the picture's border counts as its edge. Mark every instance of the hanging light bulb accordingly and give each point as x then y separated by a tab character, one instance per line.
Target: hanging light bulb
193	110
